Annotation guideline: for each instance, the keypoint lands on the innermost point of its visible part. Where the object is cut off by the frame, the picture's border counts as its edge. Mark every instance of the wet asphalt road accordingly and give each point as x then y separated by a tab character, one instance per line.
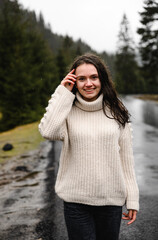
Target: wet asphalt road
30	210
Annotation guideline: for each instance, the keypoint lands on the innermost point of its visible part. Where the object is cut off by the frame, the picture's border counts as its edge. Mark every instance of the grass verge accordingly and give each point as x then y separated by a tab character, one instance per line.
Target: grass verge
24	138
152	97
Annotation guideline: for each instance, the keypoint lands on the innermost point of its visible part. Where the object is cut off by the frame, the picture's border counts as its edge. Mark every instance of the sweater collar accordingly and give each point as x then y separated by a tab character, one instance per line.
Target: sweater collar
95	105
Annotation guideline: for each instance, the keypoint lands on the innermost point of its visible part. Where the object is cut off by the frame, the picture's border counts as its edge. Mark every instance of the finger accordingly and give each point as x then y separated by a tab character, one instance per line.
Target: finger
125	218
130	214
135	212
71	74
133	217
131	222
125	214
64	82
69	81
72	71
70	77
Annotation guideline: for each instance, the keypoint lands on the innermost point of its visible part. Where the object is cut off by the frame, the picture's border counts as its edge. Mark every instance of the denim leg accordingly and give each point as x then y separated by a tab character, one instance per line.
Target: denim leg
79	222
107	222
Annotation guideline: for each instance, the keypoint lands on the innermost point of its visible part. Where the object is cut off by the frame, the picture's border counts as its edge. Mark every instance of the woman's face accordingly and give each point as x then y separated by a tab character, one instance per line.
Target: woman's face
88	82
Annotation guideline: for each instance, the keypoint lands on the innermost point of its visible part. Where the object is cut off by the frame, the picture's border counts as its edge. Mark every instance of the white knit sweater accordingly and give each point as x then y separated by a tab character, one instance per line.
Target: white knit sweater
96	163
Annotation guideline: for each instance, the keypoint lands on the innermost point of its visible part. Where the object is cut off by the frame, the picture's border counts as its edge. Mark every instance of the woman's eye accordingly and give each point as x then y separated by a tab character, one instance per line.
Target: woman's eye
94	77
81	79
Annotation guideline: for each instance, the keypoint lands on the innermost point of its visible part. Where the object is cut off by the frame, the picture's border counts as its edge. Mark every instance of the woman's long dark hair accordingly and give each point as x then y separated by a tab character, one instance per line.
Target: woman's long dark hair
110	98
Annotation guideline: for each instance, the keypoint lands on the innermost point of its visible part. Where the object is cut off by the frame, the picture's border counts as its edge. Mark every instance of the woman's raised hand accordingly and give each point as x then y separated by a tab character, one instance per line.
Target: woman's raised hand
69	80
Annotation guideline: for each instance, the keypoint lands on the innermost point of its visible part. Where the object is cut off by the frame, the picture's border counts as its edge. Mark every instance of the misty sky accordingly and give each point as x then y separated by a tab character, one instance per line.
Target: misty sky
96	22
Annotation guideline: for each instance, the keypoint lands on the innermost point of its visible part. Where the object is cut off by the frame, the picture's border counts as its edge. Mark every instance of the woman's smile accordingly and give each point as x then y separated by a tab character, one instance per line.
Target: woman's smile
89	90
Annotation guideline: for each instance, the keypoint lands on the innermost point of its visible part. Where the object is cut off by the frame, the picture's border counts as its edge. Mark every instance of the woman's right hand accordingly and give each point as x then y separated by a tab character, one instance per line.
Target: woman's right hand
69	80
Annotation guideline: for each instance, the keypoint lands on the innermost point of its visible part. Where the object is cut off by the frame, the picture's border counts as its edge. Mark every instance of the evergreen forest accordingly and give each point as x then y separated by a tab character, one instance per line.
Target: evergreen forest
34	60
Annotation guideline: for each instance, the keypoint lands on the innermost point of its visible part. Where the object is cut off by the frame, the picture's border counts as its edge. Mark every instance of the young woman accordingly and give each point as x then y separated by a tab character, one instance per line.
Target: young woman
96	174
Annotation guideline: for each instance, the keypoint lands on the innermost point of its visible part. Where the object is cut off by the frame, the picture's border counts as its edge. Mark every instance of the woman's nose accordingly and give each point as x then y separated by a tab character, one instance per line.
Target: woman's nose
88	82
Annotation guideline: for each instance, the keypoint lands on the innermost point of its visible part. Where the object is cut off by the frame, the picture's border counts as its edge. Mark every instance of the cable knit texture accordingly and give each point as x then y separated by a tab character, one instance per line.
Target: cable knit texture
96	163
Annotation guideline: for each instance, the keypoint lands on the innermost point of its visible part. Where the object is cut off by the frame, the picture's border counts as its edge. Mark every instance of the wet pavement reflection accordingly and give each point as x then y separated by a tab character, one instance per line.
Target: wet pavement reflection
144	119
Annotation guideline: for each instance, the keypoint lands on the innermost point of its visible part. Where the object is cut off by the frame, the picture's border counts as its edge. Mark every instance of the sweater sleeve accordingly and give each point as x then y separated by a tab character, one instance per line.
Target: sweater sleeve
53	124
126	154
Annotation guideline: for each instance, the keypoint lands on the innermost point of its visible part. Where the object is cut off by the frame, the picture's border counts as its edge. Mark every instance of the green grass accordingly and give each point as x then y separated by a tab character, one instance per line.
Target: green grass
152	97
24	138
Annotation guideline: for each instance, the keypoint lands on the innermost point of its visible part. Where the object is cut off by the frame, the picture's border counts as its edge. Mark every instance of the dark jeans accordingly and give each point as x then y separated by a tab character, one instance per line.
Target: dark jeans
85	222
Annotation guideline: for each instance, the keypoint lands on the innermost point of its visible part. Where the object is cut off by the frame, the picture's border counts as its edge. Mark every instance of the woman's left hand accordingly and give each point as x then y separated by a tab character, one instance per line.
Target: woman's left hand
131	215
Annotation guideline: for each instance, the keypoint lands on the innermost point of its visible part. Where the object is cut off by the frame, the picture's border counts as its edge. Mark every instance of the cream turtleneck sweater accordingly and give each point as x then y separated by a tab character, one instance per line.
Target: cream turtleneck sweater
96	163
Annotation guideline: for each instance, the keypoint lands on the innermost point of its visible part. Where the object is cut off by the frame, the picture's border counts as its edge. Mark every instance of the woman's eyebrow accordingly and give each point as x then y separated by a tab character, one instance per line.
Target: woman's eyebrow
80	76
93	74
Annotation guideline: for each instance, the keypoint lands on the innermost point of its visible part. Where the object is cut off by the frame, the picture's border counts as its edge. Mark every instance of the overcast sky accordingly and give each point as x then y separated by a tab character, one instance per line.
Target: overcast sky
96	22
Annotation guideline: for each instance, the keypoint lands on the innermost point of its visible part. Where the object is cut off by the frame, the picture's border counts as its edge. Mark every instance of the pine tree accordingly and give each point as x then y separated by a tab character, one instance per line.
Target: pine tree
149	44
126	70
27	71
109	60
